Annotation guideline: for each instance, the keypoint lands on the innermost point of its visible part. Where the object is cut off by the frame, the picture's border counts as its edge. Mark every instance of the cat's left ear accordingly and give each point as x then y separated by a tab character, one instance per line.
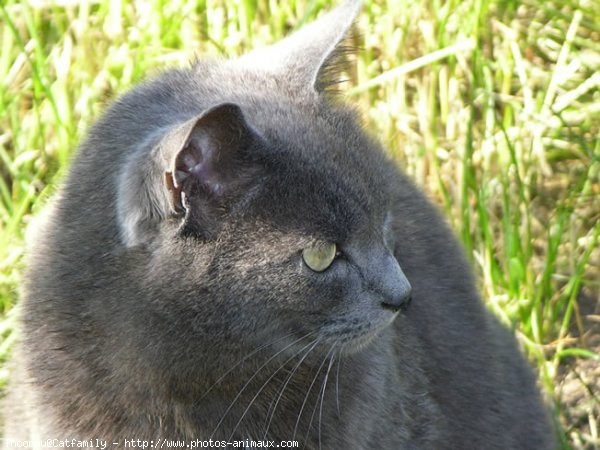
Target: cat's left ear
304	58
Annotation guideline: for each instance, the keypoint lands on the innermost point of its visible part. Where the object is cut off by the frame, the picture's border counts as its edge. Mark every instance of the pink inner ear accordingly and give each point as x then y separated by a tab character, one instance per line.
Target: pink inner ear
196	161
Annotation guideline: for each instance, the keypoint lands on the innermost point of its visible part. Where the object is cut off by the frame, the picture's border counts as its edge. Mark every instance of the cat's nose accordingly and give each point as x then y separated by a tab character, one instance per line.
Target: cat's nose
394	287
399	300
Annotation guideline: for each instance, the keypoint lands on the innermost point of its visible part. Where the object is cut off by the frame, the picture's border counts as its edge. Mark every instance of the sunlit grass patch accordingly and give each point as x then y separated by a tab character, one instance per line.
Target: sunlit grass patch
493	106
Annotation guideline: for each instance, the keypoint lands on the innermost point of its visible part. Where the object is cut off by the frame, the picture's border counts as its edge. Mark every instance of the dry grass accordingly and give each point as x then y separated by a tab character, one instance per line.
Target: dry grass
493	106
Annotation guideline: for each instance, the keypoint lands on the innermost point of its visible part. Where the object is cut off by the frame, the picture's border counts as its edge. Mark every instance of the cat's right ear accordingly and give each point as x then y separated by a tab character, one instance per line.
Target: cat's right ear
196	167
306	61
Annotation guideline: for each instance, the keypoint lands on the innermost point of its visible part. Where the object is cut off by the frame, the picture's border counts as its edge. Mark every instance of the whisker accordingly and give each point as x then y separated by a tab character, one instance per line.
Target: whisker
289	378
265	385
320	394
323	392
337	384
306	397
271	404
252	377
245	358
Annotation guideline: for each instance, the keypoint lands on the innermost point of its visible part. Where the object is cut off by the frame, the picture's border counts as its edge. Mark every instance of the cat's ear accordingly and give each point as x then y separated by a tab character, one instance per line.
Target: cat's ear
304	58
202	161
205	154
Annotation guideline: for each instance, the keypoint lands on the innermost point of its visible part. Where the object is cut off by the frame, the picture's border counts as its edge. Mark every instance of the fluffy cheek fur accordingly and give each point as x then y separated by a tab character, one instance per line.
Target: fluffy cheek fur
191	288
267	291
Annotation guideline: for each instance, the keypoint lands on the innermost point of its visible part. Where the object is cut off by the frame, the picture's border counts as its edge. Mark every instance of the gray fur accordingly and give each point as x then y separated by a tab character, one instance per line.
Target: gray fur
136	312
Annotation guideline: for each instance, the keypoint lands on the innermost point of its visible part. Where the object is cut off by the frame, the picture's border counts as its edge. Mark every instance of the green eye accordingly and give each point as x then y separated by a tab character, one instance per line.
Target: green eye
319	257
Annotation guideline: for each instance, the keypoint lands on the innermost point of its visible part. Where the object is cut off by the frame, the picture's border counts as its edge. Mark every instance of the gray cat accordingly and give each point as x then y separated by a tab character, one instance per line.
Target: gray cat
233	258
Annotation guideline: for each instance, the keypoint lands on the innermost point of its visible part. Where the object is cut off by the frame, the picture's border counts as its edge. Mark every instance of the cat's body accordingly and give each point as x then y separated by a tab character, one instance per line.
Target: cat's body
150	314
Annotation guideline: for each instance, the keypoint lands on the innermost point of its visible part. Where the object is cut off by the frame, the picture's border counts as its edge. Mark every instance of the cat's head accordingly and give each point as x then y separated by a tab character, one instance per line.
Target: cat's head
269	213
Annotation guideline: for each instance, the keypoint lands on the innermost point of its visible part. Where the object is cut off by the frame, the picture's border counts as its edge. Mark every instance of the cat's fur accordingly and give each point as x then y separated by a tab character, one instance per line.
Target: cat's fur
166	295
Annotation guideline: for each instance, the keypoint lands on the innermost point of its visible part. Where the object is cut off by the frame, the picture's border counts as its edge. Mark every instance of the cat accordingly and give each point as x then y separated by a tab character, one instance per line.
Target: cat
232	257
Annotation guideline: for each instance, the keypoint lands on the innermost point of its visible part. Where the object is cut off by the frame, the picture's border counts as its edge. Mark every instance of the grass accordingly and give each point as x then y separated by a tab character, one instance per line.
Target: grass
493	106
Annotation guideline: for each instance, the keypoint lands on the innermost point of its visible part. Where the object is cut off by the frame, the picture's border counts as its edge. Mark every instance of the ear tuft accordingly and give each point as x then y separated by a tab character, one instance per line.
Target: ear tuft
328	79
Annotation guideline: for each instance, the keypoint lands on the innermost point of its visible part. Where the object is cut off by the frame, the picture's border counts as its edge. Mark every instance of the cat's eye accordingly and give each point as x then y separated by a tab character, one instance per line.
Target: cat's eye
320	256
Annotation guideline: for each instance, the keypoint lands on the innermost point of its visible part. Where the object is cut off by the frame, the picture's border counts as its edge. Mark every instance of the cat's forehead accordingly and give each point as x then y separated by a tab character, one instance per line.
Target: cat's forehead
324	178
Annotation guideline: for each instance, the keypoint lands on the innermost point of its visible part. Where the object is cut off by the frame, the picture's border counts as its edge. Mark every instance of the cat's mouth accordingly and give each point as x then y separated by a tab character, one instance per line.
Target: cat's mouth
353	333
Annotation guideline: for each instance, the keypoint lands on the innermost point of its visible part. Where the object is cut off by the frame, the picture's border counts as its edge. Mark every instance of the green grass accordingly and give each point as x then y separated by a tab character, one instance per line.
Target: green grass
493	106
